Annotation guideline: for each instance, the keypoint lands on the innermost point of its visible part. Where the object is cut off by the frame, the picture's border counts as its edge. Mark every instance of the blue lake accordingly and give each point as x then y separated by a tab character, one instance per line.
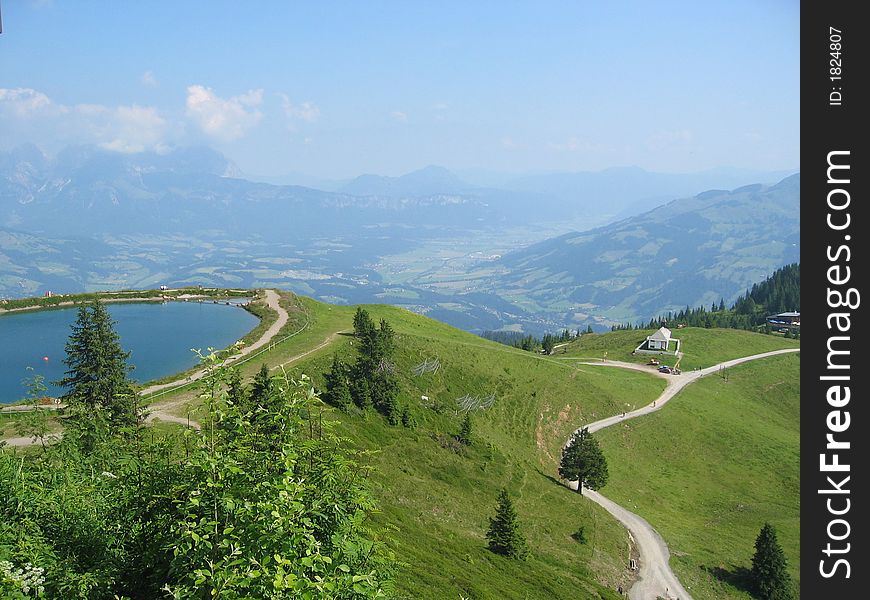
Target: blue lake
158	335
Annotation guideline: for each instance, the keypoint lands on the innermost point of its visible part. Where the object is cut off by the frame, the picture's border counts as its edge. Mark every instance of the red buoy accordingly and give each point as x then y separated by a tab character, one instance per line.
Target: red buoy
45	358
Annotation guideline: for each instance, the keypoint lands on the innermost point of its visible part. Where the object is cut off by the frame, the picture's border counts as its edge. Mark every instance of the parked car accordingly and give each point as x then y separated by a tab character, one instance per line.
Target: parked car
665	369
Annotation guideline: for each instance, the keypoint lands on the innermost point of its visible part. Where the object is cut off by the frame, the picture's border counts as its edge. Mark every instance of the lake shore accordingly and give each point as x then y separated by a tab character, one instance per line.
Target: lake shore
163	296
252	302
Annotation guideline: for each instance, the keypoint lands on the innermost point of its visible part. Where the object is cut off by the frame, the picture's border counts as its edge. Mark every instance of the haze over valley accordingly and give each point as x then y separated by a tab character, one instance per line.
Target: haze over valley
89	219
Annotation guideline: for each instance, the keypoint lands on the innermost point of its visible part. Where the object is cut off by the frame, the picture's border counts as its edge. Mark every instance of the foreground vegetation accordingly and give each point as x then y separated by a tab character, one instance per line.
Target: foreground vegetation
266	503
711	468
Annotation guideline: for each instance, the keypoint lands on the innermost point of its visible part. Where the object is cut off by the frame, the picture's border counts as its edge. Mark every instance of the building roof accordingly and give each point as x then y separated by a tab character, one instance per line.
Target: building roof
663	334
788	314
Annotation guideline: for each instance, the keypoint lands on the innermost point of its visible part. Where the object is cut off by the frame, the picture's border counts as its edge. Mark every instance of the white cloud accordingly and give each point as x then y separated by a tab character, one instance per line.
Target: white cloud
148	79
134	129
36	117
307	111
27	102
124	129
226	119
399	116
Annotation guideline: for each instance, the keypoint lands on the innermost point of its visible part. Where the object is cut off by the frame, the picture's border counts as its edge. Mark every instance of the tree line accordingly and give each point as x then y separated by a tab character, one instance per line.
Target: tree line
778	293
530	343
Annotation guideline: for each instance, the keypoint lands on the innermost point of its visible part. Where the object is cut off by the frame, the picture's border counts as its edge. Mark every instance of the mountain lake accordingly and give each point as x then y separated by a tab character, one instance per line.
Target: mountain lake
159	336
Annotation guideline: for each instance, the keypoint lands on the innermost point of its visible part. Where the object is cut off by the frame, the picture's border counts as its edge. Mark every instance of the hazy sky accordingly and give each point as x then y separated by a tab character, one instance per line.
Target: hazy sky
335	89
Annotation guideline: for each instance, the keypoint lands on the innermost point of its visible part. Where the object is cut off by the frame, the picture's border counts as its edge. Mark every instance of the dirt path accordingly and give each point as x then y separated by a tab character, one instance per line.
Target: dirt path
272	300
161	410
655	577
26	441
329	339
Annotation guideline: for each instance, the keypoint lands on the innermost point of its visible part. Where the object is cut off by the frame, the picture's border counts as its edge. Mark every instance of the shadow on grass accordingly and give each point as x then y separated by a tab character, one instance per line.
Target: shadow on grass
554	480
738	577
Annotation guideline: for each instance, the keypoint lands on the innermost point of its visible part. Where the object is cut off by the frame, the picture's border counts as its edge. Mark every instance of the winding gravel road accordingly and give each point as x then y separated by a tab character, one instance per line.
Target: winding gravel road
655	577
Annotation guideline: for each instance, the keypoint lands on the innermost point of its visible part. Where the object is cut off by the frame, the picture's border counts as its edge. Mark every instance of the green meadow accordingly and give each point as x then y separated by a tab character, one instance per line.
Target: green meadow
711	468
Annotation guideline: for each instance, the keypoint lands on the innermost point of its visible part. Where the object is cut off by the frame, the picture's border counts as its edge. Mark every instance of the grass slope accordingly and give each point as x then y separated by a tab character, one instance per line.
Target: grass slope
700	347
440	495
711	468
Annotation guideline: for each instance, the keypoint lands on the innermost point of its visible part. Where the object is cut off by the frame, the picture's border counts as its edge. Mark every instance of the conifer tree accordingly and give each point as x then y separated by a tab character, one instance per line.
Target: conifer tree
337	390
361	393
504	533
362	323
583	461
548	342
261	389
385	396
466	431
769	577
97	376
407	418
237	394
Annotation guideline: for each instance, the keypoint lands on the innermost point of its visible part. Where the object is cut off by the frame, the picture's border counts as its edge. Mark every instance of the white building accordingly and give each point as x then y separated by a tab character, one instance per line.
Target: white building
659	341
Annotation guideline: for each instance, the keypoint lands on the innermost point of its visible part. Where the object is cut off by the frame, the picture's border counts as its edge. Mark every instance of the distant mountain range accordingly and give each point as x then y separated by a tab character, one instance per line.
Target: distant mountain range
690	251
91	219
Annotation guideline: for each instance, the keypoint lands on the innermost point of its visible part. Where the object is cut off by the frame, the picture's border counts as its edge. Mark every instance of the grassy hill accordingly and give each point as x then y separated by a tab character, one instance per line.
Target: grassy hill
711	468
700	347
439	495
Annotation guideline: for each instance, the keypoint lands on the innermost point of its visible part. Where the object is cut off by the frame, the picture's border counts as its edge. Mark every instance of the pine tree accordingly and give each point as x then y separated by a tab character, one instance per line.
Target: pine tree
236	393
582	461
504	533
337	390
361	393
362	323
97	375
769	577
262	388
466	431
548	342
385	396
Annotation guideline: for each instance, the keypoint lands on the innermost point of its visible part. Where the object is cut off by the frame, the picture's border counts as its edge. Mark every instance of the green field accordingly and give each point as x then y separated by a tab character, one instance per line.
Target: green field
700	347
711	468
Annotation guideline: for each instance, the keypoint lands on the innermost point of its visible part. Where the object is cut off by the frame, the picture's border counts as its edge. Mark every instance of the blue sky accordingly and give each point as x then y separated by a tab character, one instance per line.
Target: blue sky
335	89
